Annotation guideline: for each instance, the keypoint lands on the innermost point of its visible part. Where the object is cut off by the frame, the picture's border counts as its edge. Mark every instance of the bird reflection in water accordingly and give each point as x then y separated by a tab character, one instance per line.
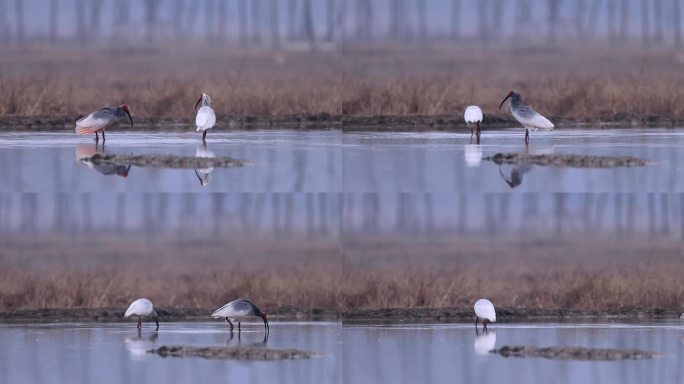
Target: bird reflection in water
85	151
473	154
203	174
138	346
484	342
516	175
261	343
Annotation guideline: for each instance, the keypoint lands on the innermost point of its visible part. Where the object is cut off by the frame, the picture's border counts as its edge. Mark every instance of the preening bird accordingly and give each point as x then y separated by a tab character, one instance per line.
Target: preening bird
473	117
239	309
484	309
101	119
142	308
205	118
525	115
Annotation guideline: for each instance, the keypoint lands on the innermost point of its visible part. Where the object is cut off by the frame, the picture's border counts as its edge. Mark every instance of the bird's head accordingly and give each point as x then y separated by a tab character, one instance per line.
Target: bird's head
510	94
127	110
202	97
125	173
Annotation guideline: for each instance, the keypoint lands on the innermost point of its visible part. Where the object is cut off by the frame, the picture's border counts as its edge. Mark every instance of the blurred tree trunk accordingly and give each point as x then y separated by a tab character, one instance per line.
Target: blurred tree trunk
151	10
242	20
523	18
122	20
209	17
54	19
594	12
275	24
677	23
191	20
482	12
645	26
178	10
95	18
554	18
580	18
497	14
256	21
658	20
364	19
330	20
624	20
612	16
455	19
292	19
309	30
222	23
4	25
19	16
422	19
81	21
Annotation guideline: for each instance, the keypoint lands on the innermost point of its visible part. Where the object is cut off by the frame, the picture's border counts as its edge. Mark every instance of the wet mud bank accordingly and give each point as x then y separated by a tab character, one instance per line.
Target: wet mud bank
231	353
572	161
574	353
164	161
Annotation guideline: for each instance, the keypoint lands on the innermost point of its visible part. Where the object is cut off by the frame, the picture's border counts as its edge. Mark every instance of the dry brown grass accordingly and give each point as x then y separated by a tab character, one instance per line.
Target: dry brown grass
593	275
588	84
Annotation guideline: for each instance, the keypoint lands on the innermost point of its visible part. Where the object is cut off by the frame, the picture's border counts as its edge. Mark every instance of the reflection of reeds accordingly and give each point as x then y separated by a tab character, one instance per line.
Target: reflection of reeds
588	276
582	84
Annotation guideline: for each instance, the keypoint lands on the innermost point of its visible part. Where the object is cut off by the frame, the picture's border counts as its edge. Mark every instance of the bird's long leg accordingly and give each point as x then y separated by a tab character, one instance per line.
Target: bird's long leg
478	129
204	137
156	320
239	330
139	322
231	324
485	322
97	138
527	136
103	137
476	319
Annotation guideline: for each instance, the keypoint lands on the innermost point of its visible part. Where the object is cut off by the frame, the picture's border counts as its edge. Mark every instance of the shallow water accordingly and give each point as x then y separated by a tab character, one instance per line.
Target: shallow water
332	161
113	353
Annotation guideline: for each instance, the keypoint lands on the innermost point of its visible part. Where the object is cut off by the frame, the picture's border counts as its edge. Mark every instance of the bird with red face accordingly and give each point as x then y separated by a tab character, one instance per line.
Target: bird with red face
99	120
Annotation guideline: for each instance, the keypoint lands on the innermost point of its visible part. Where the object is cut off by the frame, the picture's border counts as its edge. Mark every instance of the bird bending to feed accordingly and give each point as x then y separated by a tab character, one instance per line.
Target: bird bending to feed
237	310
473	116
525	115
205	118
484	309
142	308
101	119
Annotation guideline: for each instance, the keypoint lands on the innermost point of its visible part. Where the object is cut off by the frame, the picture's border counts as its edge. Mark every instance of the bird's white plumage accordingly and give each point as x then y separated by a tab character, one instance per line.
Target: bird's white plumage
236	309
484	343
205	118
534	122
473	155
91	121
140	307
473	114
484	309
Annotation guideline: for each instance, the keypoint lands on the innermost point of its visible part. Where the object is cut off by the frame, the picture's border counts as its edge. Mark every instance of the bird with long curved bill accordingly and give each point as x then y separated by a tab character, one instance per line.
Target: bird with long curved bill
99	120
206	118
142	308
238	310
525	115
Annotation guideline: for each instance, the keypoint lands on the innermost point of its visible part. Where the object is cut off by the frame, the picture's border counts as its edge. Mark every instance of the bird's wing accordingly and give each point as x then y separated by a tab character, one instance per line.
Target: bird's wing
140	307
236	308
484	309
94	121
530	118
473	114
205	118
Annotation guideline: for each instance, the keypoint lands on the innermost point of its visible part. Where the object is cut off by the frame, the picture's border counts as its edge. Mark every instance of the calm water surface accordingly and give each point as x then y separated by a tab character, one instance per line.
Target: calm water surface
445	353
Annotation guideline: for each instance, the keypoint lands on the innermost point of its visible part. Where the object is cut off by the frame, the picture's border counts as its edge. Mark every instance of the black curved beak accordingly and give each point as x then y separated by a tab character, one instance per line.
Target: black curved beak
130	118
504	100
128	169
509	182
198	102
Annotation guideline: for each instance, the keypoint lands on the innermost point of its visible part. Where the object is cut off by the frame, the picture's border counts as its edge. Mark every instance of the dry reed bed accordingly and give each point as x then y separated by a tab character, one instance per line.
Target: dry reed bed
591	84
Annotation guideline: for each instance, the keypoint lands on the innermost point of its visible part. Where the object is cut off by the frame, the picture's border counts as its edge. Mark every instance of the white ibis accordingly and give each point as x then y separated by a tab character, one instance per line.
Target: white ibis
101	119
484	309
237	310
525	115
473	116
205	118
142	308
484	343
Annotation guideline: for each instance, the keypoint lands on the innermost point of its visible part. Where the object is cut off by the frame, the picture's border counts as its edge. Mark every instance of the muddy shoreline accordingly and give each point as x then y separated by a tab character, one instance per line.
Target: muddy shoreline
574	353
234	353
326	121
390	315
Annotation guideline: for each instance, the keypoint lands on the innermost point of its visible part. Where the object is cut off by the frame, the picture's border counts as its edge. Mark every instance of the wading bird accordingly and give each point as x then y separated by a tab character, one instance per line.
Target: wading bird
101	119
142	308
517	173
204	173
85	151
237	310
473	116
525	115
205	118
484	309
